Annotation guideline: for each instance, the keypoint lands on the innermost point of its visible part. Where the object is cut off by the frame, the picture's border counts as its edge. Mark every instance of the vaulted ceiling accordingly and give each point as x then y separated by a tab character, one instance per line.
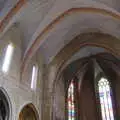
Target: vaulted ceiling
52	24
2	3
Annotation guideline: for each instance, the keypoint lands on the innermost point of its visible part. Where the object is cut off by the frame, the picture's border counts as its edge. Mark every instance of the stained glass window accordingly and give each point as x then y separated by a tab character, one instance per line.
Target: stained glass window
105	95
71	105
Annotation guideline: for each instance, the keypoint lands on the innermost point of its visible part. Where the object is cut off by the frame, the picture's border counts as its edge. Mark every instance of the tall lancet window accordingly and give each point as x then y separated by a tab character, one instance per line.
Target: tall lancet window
70	102
8	57
105	95
34	77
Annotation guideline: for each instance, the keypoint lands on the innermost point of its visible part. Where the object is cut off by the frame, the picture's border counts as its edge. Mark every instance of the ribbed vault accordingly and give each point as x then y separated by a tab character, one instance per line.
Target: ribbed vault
85	68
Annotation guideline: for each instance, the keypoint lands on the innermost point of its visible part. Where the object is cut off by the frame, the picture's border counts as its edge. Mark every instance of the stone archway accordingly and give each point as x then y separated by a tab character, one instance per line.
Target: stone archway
28	112
5	105
59	62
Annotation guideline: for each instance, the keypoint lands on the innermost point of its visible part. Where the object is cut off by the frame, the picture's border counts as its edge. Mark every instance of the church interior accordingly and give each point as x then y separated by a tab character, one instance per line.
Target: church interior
59	60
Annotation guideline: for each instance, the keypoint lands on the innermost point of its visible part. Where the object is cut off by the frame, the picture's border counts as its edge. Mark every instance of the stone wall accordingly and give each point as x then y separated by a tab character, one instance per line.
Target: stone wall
18	89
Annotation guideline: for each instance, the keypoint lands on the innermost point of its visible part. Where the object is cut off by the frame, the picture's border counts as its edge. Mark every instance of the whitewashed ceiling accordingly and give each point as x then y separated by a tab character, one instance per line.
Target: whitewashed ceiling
2	3
35	15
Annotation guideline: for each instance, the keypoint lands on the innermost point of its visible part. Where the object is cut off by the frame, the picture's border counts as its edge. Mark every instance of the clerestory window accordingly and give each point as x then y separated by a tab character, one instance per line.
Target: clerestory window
70	101
7	58
105	96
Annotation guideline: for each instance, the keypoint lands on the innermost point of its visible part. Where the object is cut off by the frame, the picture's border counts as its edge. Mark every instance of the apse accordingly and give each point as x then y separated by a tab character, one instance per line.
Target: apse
90	91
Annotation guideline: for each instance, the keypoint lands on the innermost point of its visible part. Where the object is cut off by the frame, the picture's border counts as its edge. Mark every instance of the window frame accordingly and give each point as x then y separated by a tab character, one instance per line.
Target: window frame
97	79
33	84
76	95
4	57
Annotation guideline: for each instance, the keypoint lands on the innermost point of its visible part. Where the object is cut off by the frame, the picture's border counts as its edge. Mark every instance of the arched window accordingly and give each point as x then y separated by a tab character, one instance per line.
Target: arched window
34	77
8	57
105	96
70	101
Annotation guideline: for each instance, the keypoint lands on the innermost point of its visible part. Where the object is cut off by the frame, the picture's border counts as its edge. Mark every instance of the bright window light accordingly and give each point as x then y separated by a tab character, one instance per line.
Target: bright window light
8	57
34	77
105	99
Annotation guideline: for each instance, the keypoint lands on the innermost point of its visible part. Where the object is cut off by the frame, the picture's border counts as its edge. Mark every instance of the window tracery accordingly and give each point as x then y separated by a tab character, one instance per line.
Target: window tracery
105	96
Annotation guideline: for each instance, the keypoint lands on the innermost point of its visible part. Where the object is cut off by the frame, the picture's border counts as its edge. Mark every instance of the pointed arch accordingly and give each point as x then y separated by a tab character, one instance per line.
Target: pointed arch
28	112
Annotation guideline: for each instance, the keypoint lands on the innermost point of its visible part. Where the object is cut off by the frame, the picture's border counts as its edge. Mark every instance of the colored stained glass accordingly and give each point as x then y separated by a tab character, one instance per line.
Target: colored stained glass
70	102
105	99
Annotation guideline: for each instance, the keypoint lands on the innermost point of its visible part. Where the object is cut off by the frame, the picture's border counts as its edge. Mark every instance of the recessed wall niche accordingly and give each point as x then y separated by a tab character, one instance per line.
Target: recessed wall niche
28	112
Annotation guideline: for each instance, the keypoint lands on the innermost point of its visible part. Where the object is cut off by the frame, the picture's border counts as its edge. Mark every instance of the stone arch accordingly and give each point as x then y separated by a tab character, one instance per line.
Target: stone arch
28	112
36	44
106	41
60	79
61	94
5	105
